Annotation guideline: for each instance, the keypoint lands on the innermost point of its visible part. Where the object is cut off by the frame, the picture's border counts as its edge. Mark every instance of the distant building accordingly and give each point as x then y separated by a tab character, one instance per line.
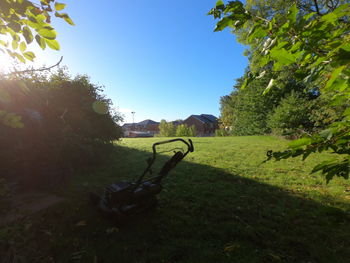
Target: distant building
177	123
205	124
146	128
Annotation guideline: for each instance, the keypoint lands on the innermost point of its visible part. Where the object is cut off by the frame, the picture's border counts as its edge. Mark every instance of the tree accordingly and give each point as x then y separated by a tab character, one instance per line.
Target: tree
245	111
192	131
166	129
227	104
292	114
68	125
314	42
22	21
184	130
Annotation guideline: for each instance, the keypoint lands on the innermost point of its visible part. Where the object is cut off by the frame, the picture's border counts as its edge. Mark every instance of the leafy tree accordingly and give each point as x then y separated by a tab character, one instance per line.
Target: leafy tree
22	21
184	130
292	114
227	104
324	113
192	131
246	110
67	125
166	129
314	42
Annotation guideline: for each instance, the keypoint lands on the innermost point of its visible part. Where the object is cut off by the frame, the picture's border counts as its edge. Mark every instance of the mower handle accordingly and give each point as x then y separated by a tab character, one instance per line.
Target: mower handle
151	160
190	147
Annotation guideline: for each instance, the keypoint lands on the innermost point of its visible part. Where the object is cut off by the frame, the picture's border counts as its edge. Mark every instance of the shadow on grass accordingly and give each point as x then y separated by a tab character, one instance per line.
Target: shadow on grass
204	215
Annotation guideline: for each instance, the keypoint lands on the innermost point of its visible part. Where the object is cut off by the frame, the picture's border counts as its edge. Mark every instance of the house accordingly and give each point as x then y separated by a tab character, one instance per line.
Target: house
205	124
146	128
177	123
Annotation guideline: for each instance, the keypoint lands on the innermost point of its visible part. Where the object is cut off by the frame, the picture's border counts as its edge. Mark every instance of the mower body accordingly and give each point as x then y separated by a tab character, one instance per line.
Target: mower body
124	199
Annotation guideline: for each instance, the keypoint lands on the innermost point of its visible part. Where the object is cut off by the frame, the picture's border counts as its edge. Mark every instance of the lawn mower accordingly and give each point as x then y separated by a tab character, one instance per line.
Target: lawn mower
124	199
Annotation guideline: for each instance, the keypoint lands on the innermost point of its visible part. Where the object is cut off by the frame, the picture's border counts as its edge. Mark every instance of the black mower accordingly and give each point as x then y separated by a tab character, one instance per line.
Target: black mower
123	200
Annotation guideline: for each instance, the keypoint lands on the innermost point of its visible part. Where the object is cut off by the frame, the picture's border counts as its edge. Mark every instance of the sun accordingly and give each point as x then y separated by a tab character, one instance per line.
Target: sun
7	63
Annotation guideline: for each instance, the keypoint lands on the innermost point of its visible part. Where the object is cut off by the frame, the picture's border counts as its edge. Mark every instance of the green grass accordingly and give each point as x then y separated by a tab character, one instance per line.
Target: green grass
221	204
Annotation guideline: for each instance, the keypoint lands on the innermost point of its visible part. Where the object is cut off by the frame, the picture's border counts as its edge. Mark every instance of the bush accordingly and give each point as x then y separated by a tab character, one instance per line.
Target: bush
184	130
166	129
67	125
222	132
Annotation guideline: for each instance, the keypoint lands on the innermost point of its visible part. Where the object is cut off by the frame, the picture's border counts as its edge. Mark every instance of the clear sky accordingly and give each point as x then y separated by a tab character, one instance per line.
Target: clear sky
160	59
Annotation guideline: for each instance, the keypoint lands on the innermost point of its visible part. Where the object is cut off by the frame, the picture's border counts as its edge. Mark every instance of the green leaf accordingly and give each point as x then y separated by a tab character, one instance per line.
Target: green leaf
219	3
59	6
327	134
282	56
330	17
334	76
48	34
53	44
322	165
4	43
22	46
29	55
14	26
340	84
19	57
27	33
223	23
14	44
257	32
292	13
68	20
40	41
300	142
65	17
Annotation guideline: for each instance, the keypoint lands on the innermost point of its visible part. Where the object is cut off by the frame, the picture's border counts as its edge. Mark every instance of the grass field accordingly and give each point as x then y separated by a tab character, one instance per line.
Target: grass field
221	204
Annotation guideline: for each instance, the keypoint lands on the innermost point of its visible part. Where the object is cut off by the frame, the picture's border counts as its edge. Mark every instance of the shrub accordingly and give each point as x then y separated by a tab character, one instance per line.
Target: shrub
166	129
222	132
67	125
184	130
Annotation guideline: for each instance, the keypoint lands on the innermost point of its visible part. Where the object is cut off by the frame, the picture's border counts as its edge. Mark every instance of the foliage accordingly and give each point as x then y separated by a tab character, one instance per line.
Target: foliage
223	132
315	44
226	111
22	21
245	111
292	114
192	131
184	130
67	125
166	129
323	113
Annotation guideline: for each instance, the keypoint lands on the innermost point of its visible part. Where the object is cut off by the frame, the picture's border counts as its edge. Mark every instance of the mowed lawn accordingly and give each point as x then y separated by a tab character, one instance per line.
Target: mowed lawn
220	204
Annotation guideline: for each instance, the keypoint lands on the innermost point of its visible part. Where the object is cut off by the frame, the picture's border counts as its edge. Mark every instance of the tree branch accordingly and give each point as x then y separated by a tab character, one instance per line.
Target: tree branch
34	70
263	19
317	9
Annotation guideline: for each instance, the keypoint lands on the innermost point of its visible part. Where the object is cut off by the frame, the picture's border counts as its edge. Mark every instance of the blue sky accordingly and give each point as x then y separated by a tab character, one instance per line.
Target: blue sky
160	59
